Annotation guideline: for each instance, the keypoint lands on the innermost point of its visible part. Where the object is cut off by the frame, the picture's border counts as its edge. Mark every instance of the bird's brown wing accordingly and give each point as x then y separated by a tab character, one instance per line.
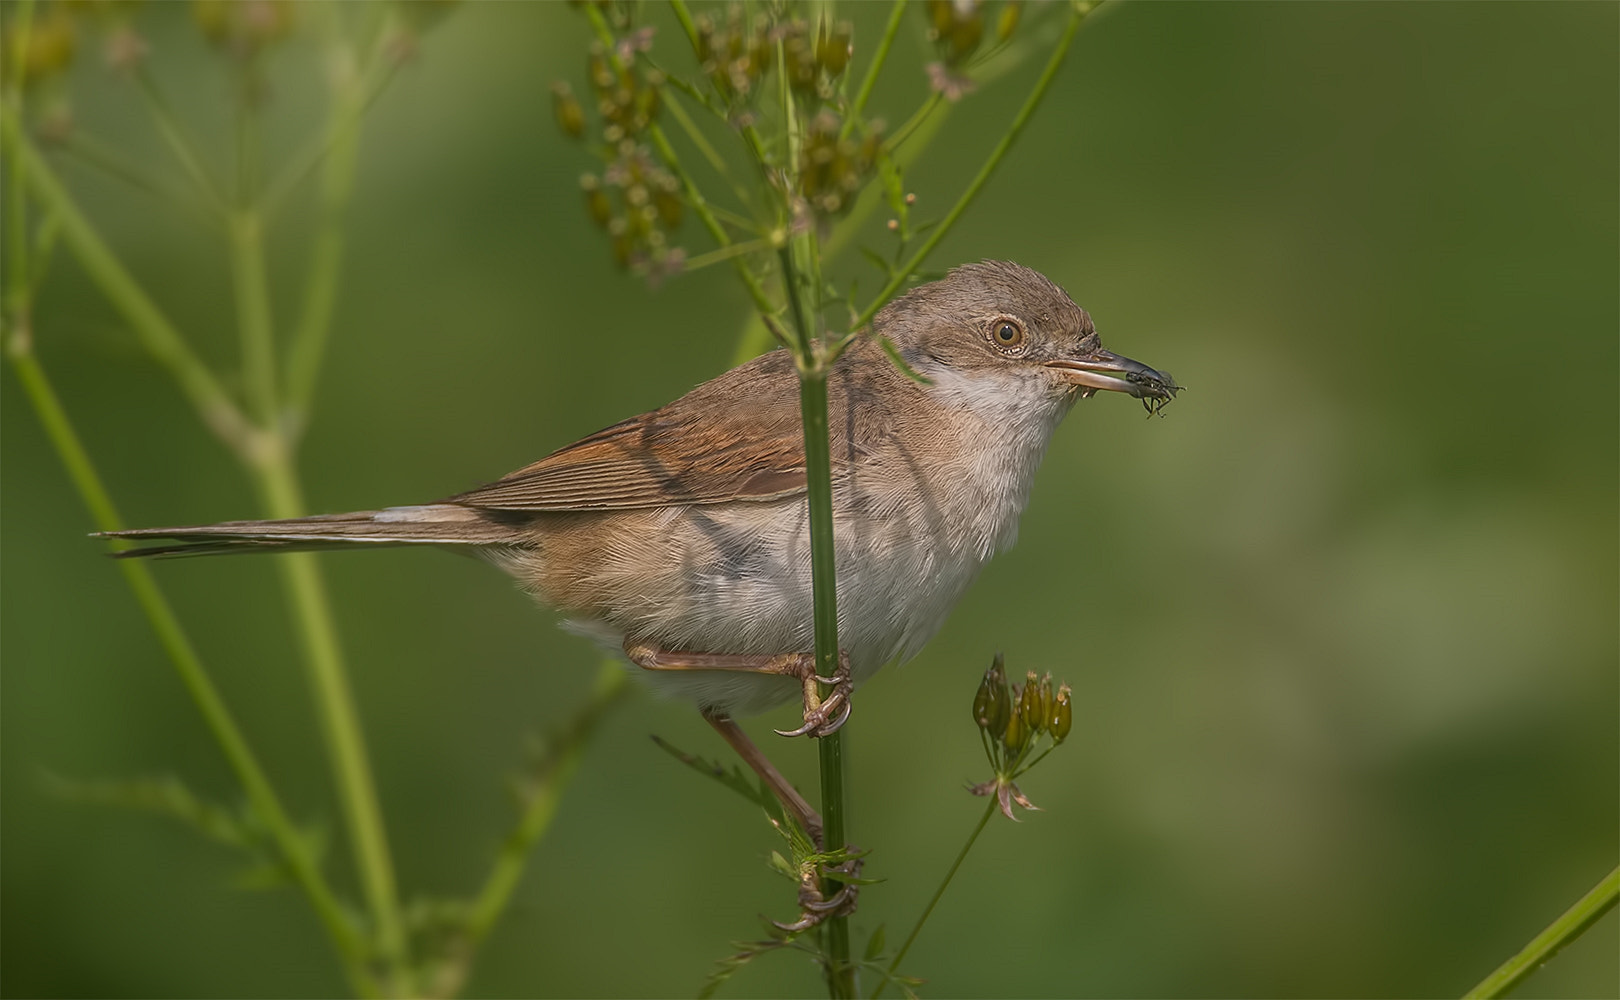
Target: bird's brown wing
737	437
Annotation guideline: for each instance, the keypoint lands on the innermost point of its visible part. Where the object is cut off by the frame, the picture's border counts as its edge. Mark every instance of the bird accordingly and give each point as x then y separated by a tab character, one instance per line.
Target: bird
680	538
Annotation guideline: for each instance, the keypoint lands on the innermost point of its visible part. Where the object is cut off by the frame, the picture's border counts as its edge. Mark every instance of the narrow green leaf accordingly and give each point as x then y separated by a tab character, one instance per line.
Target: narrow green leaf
874	944
900	362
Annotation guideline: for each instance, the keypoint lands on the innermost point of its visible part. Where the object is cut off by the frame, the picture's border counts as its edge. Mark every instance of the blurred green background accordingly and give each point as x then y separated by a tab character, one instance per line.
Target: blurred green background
1341	627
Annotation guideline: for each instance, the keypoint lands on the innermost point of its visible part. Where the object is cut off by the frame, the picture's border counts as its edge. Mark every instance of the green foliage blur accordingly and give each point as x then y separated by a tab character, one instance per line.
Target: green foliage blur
1341	627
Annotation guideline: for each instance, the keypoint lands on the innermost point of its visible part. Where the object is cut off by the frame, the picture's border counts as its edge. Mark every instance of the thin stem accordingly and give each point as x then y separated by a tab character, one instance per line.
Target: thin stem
694	197
295	848
1077	14
540	807
1571	925
687	25
340	722
16	205
326	256
103	158
157	335
899	956
890	30
249	275
182	147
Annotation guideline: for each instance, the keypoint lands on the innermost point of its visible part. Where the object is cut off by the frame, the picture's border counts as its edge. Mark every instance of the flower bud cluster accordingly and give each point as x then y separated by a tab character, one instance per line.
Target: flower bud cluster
1019	714
833	168
957	26
1012	719
736	57
48	49
244	27
733	56
635	199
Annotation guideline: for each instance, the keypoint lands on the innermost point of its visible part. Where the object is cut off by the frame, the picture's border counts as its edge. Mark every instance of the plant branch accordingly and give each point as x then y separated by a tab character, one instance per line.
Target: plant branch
1077	14
542	796
308	348
156	334
1571	925
182	147
694	197
928	911
350	943
890	30
340	722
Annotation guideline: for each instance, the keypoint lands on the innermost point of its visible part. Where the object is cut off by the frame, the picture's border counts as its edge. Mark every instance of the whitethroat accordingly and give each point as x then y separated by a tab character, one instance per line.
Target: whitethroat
681	537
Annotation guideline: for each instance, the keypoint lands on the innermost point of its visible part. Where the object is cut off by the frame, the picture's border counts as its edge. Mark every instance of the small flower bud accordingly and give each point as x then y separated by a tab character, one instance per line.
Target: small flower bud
1029	703
570	116
894	225
596	200
1017	734
667	199
51	42
1062	717
1007	21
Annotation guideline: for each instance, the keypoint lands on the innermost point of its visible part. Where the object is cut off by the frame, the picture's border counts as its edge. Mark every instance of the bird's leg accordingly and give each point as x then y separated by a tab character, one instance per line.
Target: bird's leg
814	905
789	796
822	716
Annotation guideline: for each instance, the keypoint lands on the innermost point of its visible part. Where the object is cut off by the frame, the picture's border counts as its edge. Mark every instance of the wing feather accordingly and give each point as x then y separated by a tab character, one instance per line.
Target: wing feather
736	438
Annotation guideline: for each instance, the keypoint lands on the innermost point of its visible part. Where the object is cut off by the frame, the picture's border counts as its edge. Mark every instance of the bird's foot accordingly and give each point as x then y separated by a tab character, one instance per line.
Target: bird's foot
824	716
814	905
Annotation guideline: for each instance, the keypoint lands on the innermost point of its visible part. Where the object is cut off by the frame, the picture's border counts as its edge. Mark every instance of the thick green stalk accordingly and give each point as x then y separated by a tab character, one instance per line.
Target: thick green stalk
1571	925
351	945
339	719
1077	14
824	590
928	911
275	471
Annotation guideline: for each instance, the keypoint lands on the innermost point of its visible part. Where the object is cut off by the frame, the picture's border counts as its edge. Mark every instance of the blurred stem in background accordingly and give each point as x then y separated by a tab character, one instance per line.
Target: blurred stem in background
375	951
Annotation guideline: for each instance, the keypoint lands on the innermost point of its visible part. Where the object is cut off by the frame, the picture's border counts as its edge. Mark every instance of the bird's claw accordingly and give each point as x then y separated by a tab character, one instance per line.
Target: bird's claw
815	908
825	716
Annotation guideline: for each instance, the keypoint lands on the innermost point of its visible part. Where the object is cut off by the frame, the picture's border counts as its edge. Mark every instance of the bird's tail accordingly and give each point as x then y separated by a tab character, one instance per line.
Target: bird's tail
430	524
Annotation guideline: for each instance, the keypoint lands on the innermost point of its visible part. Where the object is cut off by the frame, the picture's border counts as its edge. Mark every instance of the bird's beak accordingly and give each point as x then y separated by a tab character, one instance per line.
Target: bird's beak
1102	369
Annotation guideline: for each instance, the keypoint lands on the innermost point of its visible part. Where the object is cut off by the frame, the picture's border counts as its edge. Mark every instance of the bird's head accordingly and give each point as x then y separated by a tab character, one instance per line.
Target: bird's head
998	329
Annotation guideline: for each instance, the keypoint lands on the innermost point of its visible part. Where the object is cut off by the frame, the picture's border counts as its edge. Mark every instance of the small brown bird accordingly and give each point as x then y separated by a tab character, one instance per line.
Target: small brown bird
681	537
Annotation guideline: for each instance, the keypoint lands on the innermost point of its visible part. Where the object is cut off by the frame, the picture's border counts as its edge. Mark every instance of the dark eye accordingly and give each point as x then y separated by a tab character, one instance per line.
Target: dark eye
1008	333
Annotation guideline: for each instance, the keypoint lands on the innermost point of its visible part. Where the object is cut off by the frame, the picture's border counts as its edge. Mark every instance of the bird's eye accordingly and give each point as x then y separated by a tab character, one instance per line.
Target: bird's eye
1008	334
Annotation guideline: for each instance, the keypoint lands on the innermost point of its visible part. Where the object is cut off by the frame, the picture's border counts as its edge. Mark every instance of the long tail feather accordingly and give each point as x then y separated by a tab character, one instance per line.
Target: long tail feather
431	524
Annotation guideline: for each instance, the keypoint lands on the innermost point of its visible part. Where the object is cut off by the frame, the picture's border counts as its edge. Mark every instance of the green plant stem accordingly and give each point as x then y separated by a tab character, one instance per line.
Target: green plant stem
95	154
1571	925
351	944
899	956
340	722
16	220
824	589
540	804
309	339
157	335
252	282
1077	14
182	147
885	43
